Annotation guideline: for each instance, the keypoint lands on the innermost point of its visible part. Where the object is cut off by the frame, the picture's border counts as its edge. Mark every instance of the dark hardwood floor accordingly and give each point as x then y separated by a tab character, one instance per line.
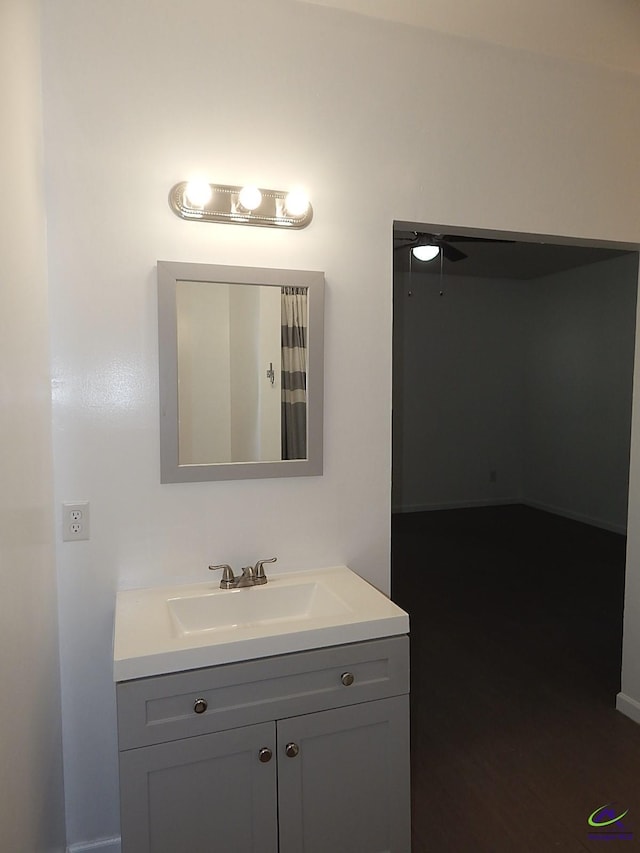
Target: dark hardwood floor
516	629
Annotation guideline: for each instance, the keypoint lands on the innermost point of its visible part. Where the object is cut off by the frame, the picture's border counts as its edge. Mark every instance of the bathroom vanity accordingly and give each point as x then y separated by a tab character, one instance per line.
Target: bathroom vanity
294	738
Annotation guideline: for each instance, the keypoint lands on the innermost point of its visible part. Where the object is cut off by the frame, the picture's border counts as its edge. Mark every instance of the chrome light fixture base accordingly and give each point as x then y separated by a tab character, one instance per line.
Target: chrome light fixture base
224	205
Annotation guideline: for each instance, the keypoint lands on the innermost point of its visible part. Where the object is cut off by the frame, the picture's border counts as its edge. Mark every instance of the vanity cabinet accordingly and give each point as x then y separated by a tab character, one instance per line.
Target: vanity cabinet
300	753
205	793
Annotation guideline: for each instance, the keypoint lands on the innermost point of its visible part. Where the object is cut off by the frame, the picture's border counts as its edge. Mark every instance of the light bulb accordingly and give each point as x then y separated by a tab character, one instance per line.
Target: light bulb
249	198
425	253
296	203
198	193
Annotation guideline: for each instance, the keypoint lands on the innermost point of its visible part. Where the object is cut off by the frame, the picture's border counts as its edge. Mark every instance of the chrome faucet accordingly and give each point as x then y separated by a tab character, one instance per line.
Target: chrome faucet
251	575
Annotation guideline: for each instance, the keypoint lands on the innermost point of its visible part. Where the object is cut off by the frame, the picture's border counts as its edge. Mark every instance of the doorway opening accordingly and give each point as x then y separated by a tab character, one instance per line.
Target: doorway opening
513	371
512	381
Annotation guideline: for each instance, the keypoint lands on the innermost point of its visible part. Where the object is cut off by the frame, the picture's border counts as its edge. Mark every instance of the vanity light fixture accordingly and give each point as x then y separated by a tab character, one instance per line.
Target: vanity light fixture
249	199
198	193
249	205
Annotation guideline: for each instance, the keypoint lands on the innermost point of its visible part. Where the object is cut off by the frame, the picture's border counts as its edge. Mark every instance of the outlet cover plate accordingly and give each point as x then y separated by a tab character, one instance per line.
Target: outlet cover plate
75	521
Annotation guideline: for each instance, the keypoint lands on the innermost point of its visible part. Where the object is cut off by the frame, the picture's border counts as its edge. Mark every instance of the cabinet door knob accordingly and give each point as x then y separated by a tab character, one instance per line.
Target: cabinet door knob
265	754
200	706
347	678
291	750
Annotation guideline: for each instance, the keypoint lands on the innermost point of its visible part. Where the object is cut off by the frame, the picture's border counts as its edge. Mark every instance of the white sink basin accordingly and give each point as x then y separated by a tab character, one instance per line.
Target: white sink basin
258	605
168	629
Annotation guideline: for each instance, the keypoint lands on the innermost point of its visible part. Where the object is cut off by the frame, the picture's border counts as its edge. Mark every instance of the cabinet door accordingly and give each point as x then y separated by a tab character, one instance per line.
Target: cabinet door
207	793
347	788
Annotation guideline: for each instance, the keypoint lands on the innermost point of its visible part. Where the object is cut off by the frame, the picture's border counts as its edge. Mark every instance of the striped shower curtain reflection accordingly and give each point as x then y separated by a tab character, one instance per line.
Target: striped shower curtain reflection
294	372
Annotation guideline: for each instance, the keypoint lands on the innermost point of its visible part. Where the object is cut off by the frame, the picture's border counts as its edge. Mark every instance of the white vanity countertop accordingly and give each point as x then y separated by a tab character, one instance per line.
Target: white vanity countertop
173	628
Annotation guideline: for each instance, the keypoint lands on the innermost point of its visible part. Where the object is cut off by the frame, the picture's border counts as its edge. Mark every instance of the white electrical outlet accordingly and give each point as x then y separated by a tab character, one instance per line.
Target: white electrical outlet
75	521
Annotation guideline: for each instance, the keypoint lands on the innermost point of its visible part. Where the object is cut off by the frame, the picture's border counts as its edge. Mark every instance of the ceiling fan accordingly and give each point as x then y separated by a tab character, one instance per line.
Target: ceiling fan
442	241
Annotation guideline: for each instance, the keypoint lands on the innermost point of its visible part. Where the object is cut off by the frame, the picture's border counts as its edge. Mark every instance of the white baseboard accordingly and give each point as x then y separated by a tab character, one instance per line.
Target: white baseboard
468	504
628	706
577	516
554	510
104	845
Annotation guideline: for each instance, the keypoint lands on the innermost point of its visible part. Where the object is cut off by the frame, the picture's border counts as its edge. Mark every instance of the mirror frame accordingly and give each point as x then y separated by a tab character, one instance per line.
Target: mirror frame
171	272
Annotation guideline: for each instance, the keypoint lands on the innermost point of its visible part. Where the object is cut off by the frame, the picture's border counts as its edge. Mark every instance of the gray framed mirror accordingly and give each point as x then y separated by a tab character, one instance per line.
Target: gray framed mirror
241	355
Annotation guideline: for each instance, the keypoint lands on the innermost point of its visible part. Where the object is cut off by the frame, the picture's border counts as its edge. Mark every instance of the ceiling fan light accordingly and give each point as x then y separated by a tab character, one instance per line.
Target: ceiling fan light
425	253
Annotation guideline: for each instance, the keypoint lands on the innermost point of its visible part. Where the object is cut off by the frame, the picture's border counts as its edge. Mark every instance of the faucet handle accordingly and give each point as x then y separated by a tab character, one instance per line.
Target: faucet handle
227	575
258	569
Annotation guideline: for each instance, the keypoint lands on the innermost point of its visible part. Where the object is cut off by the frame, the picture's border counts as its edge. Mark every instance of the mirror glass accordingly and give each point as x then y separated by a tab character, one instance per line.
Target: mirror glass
242	390
240	372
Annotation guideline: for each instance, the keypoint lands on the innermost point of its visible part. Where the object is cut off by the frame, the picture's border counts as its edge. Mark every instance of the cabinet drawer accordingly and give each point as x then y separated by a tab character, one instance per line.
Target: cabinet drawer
162	708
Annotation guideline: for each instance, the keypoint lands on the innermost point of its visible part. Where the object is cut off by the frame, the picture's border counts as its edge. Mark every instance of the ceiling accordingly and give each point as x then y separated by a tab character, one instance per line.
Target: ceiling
592	31
514	260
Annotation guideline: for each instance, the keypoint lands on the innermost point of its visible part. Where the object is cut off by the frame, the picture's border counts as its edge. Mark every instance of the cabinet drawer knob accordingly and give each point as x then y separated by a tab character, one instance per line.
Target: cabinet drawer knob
200	706
291	750
265	754
347	678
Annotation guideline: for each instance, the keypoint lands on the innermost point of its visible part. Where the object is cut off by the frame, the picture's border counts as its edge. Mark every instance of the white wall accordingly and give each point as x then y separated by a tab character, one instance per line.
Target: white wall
629	697
270	394
529	379
458	391
204	373
141	94
31	805
244	321
579	376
